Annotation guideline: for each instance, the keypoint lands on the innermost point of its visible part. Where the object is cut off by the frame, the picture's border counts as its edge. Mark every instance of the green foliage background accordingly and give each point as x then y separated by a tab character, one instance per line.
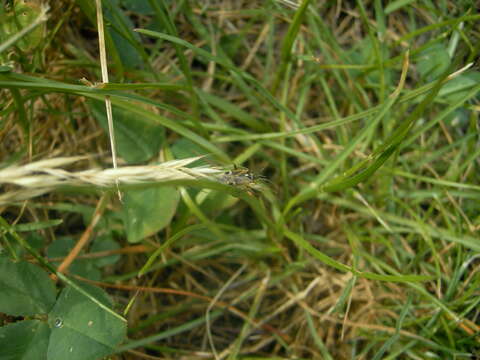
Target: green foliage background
362	242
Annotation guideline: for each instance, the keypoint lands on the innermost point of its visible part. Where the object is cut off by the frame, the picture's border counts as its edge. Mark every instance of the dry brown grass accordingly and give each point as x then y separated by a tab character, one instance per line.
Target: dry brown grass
264	295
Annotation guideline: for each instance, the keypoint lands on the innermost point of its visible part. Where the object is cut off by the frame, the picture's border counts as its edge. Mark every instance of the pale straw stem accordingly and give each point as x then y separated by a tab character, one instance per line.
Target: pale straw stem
43	176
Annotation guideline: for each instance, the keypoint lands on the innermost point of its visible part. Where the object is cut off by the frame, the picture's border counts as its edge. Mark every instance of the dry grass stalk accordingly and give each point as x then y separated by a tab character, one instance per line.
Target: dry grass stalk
43	176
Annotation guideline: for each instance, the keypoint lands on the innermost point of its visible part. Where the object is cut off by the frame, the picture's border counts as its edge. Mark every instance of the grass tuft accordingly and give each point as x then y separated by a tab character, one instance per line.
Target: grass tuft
323	197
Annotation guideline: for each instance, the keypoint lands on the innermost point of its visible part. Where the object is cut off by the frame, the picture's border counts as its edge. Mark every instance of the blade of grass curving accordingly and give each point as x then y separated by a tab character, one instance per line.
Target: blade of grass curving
313	188
13	80
305	245
226	64
365	162
401	132
233	110
49	83
344	182
416	93
328	46
396	5
174	126
164	86
164	18
34	226
287	45
468	241
444	114
295	153
430	180
380	155
438	25
52	86
143	113
29	82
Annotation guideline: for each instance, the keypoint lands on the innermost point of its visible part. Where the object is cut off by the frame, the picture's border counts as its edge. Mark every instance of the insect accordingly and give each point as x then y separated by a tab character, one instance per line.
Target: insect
242	178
